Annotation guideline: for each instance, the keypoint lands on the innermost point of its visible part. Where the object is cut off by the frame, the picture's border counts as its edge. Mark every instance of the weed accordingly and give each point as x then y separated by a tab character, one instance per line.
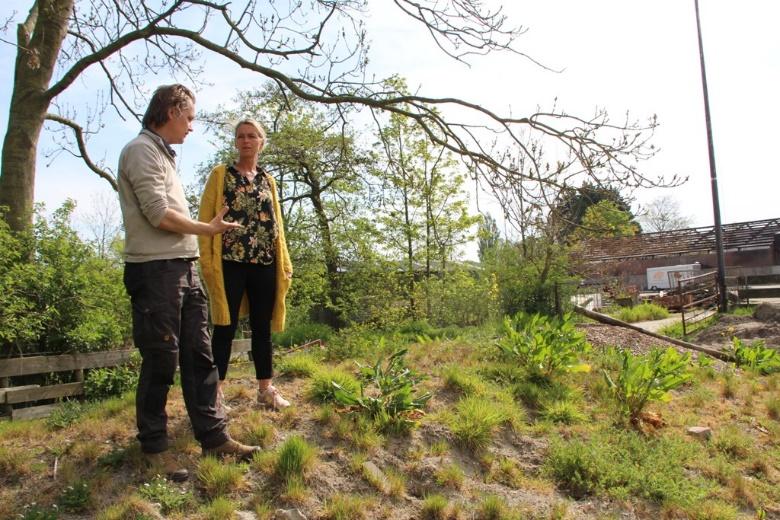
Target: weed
322	389
299	365
256	431
396	482
346	507
67	413
439	448
218	478
396	405
729	385
301	332
450	475
508	473
564	412
35	512
76	498
295	458
544	346
647	378
219	509
170	497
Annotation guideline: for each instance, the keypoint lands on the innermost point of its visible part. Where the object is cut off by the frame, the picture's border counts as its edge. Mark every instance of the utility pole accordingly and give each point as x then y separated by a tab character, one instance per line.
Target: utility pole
723	300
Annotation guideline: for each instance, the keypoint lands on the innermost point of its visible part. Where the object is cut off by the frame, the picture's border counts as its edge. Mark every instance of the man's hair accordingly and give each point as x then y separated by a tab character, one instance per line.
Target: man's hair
164	98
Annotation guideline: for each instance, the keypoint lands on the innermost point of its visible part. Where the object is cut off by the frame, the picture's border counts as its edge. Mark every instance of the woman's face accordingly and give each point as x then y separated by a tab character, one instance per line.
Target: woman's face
249	142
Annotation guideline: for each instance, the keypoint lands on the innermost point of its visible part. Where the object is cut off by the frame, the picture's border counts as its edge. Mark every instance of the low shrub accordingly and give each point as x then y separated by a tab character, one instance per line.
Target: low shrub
303	332
102	383
77	497
323	389
641	312
169	496
67	413
755	357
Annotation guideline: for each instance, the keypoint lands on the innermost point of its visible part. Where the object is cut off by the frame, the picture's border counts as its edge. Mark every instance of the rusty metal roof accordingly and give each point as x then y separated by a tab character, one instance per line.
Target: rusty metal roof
742	236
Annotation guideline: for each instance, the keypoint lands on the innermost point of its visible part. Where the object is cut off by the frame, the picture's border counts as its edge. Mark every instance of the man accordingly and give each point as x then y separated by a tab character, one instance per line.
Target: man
169	306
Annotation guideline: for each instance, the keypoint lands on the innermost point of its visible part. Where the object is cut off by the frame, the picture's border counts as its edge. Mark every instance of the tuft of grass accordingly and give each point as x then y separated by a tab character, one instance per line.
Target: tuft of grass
220	508
346	507
476	419
435	507
563	412
439	448
254	430
65	414
396	482
295	458
219	478
299	365
492	507
450	475
508	473
322	389
170	497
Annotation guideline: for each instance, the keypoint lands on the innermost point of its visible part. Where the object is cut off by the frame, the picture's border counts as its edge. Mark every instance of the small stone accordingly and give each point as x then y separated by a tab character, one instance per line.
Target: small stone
245	515
288	514
700	432
376	476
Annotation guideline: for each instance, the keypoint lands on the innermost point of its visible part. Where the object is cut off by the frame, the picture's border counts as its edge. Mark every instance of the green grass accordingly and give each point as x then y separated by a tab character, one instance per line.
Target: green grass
14	464
295	458
220	508
450	475
641	312
623	464
170	497
435	507
675	330
218	478
299	365
476	419
562	412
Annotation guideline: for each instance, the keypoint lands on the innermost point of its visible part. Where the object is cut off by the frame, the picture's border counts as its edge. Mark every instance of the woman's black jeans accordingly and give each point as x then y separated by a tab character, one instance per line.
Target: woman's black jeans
259	283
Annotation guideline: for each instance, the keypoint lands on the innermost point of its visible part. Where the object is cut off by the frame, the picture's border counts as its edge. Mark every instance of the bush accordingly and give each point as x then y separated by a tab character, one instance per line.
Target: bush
65	414
102	383
300	333
56	294
647	378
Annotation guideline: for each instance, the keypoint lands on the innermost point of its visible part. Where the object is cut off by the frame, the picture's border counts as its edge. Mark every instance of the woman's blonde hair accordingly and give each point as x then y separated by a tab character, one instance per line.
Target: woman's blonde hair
257	126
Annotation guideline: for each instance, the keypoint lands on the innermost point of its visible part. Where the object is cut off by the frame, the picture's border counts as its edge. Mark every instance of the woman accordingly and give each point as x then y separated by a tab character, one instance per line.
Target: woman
246	270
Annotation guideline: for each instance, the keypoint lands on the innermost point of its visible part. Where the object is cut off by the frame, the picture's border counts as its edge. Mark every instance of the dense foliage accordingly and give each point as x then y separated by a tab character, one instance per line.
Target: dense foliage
56	293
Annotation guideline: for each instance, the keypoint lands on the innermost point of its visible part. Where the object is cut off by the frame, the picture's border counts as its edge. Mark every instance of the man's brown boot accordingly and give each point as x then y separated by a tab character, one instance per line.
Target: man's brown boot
233	448
166	464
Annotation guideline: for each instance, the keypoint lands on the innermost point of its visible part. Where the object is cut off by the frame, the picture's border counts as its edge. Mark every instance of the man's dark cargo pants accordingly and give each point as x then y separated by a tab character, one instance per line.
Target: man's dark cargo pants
170	327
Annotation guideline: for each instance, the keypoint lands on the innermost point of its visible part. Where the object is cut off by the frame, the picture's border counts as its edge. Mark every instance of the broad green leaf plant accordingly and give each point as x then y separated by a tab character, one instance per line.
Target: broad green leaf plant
544	346
641	379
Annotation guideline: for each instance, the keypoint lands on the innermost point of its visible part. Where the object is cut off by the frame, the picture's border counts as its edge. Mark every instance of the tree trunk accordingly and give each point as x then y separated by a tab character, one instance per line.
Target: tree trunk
332	315
39	40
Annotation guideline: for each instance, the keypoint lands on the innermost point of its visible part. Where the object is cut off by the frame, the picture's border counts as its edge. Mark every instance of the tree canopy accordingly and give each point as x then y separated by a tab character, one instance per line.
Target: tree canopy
317	50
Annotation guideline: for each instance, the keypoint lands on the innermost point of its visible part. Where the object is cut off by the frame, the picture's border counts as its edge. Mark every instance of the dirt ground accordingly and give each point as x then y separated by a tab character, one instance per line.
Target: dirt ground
764	324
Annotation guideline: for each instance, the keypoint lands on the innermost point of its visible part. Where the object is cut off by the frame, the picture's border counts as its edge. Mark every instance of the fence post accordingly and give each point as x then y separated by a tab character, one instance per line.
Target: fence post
682	303
5	382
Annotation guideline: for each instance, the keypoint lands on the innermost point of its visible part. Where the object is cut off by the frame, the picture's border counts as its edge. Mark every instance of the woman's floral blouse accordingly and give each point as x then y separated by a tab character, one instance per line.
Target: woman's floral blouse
251	205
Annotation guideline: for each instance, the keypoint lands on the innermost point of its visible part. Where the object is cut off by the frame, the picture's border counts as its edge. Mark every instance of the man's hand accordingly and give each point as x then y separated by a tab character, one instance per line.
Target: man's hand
220	226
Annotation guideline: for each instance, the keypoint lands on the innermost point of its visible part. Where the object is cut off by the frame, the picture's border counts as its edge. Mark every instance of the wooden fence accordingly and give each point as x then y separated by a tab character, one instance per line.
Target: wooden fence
75	363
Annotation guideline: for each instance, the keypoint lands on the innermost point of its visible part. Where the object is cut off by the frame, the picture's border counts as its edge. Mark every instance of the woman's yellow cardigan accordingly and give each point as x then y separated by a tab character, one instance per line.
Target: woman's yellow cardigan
211	202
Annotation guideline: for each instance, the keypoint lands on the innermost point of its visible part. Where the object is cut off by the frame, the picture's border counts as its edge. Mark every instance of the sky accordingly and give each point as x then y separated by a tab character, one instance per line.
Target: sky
639	56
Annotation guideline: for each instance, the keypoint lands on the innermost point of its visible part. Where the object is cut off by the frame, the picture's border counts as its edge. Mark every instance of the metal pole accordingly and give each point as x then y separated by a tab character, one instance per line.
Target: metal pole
722	297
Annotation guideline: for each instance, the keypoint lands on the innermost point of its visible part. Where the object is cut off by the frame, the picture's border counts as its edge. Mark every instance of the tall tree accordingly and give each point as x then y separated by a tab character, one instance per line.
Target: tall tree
664	214
317	49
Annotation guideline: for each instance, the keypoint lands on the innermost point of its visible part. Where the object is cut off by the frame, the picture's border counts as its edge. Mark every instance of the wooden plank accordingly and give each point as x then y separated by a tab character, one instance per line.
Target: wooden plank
45	364
7	409
24	395
33	412
5	391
